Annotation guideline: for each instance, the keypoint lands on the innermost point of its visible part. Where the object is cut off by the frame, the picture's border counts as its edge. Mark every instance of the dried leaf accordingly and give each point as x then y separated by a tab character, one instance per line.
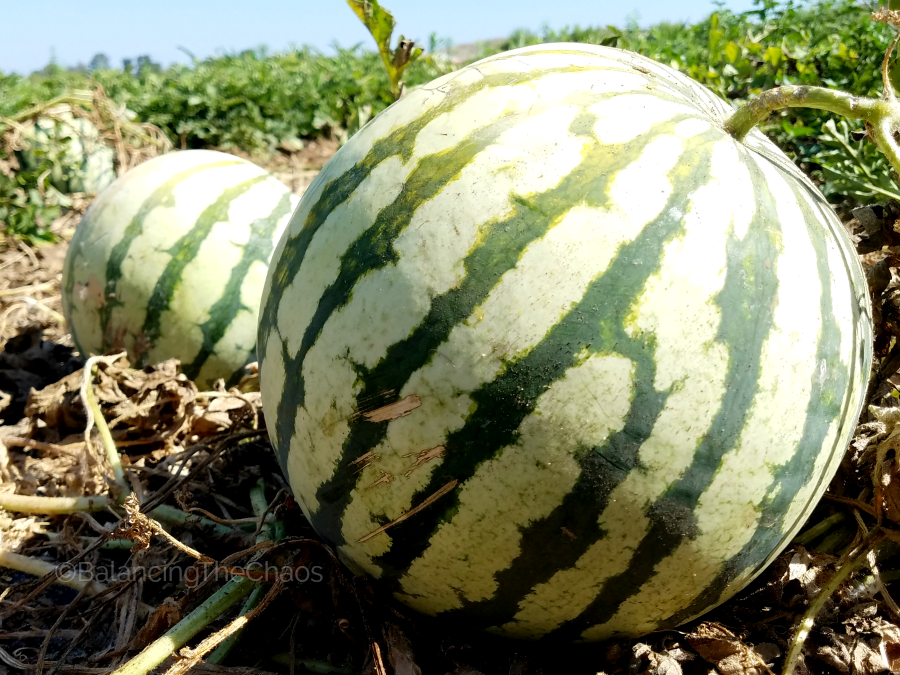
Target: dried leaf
806	568
837	655
400	652
720	647
28	363
52	404
888	635
166	615
668	666
866	660
210	422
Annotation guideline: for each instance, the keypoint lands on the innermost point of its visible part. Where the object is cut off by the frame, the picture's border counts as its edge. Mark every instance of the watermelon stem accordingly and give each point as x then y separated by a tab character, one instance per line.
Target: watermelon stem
882	116
95	418
235	589
852	561
266	532
794	96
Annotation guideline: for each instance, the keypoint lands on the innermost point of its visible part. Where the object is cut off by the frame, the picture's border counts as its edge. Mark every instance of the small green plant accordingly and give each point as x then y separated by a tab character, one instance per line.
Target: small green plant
28	201
852	168
380	23
25	211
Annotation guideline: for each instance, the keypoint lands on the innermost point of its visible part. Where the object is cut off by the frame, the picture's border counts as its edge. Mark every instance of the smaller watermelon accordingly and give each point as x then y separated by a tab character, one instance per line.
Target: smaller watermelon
170	261
81	161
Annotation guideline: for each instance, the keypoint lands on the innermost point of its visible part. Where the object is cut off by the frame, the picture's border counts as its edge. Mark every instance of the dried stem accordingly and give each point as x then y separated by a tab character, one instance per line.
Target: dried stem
888	93
235	589
854	559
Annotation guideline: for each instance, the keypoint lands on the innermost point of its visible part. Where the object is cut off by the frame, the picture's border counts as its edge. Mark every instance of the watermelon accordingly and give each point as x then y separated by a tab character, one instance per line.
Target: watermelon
170	261
549	354
81	161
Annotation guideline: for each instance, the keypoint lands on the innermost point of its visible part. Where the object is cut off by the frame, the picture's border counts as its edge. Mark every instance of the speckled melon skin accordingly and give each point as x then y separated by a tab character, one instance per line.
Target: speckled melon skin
548	353
170	261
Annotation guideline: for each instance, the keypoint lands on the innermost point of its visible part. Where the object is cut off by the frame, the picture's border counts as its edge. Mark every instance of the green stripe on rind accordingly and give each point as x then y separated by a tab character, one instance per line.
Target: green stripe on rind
502	245
400	142
741	388
183	252
498	252
374	250
225	309
162	196
595	324
747	306
824	405
558	540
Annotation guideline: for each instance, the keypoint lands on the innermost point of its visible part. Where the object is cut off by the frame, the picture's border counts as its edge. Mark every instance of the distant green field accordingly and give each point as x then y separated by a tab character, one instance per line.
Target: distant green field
257	101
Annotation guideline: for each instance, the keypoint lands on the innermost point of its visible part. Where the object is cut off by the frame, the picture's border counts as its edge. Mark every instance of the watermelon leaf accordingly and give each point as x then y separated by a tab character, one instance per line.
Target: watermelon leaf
377	19
380	23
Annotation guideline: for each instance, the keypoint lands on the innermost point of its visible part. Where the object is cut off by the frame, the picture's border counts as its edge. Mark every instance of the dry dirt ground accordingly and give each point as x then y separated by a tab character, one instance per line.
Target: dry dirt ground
207	454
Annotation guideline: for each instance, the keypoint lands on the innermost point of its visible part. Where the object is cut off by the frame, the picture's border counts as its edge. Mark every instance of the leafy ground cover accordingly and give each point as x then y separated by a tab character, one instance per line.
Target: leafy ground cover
270	106
260	102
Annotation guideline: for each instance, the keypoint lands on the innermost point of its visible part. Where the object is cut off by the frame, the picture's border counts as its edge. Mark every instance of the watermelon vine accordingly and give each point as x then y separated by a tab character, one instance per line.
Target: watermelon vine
882	116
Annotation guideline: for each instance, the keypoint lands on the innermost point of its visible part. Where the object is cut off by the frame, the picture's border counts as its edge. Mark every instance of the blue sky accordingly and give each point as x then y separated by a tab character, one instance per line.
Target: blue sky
73	32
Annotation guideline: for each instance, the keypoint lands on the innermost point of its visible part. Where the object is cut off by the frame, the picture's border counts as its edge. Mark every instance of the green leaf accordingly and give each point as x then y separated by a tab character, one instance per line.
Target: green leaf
377	19
380	23
732	51
773	55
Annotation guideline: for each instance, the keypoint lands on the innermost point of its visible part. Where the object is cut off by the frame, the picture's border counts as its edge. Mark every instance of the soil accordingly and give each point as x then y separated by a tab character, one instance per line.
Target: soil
207	452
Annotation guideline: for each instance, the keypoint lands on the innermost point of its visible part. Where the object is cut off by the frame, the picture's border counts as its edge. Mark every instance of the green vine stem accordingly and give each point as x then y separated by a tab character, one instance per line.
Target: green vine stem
854	560
10	501
234	590
819	529
258	502
95	417
167	515
882	116
176	637
820	98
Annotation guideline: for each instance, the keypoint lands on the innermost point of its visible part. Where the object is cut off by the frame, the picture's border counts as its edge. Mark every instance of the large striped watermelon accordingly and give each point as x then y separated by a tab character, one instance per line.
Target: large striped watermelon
170	261
550	354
